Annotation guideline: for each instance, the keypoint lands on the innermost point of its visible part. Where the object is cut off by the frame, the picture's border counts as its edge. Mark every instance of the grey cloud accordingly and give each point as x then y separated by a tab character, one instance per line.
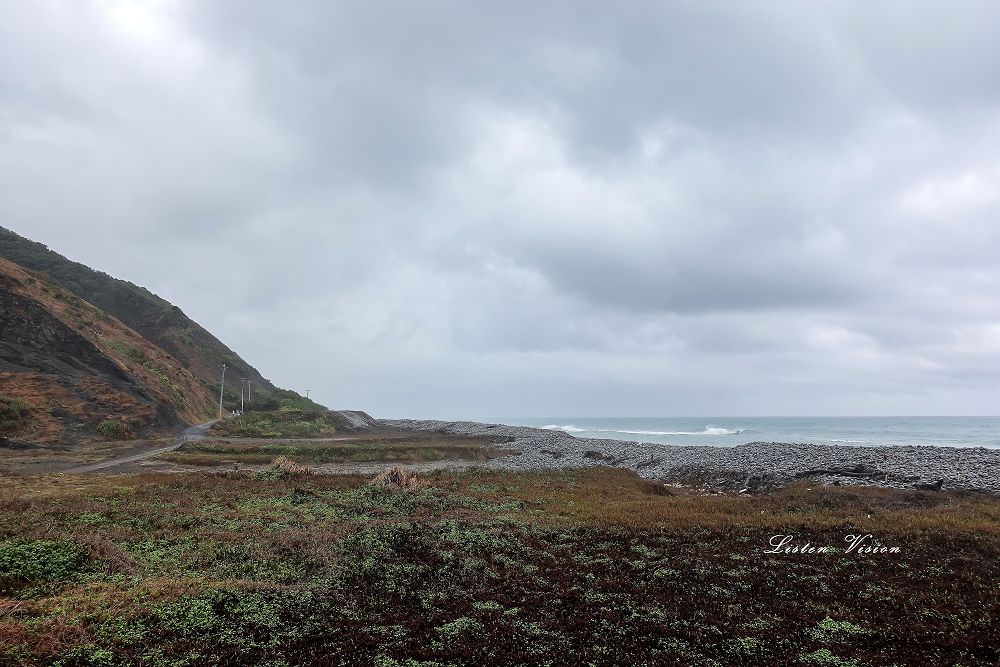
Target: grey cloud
457	209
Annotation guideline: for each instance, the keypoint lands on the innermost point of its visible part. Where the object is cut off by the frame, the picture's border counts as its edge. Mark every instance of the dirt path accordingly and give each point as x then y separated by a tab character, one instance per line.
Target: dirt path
194	433
271	441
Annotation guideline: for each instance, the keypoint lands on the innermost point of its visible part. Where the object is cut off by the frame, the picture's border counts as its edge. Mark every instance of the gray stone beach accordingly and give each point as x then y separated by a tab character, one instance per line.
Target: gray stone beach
744	467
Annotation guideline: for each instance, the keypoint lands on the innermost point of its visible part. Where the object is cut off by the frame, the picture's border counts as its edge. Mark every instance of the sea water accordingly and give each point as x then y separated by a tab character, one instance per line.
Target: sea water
730	431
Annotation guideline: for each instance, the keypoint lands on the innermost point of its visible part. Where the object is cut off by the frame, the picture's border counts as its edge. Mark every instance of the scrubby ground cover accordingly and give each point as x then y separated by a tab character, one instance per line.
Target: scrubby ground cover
482	568
379	448
288	422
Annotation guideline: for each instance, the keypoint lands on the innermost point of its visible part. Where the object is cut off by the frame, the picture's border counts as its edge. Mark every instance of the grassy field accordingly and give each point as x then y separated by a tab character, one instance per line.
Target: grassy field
391	448
486	568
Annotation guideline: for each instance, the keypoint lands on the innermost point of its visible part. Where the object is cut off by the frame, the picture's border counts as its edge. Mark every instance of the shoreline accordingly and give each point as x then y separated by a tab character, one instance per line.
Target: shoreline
745	467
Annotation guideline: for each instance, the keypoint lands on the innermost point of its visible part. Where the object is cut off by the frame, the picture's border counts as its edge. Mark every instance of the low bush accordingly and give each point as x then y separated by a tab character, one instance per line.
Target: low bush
397	478
283	467
14	414
127	351
37	561
283	423
114	429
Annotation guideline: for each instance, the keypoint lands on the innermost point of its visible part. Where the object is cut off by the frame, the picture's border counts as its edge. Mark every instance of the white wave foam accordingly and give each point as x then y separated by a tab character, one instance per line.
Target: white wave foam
712	430
569	428
708	430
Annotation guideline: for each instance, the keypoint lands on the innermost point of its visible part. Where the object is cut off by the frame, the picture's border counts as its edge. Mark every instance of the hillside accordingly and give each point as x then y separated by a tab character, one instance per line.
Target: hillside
70	372
160	322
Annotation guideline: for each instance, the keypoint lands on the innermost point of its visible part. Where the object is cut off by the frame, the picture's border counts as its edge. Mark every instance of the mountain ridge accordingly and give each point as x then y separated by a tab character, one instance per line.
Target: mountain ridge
159	321
86	356
79	373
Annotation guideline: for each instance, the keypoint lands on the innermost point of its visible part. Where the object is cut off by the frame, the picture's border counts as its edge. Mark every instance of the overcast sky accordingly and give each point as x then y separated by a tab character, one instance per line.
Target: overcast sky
472	209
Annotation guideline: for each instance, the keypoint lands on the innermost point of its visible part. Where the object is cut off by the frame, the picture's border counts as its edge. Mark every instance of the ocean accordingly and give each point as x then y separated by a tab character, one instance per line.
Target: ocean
731	431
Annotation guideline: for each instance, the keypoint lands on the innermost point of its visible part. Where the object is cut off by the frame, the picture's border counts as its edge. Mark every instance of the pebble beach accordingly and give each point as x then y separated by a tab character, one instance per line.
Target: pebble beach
743	467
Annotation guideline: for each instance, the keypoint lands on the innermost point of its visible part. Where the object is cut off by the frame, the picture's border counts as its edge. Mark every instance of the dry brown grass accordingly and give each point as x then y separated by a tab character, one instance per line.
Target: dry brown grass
397	478
48	639
614	496
112	558
290	468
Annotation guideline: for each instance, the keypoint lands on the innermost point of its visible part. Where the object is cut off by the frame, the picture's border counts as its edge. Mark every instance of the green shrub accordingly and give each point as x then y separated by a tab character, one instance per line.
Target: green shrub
127	351
87	655
243	623
111	428
824	658
37	561
284	423
14	414
831	630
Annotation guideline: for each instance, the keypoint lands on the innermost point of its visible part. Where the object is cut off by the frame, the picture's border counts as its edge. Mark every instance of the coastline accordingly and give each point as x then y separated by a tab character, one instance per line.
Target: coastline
743	467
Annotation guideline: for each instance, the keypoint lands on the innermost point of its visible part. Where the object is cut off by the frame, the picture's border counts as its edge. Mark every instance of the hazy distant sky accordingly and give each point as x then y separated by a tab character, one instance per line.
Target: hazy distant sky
489	209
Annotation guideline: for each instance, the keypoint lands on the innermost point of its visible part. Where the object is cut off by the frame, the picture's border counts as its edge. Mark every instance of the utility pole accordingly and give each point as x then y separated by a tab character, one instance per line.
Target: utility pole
222	388
243	381
249	396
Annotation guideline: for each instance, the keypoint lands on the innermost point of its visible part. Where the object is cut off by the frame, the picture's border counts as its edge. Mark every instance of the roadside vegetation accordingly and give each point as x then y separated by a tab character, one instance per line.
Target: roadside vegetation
288	422
280	567
281	399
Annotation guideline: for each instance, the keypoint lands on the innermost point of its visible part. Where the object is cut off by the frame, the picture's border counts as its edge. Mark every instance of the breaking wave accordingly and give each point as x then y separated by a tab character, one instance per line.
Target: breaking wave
569	428
708	430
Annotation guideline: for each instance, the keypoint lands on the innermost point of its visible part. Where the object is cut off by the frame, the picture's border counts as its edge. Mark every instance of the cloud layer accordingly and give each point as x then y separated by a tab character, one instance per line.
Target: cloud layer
527	209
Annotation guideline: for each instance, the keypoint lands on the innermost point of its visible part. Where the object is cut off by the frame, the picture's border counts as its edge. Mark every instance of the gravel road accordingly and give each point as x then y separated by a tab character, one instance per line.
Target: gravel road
198	432
764	463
